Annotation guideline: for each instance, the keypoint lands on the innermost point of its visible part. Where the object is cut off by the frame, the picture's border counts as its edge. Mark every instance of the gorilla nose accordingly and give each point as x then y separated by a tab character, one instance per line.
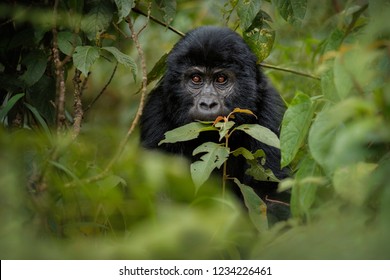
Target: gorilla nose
209	105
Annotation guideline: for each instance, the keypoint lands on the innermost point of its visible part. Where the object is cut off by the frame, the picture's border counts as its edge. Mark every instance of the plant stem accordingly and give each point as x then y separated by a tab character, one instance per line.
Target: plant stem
224	175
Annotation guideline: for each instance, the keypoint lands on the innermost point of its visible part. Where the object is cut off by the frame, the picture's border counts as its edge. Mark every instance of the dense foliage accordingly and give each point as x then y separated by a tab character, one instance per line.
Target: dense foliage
74	182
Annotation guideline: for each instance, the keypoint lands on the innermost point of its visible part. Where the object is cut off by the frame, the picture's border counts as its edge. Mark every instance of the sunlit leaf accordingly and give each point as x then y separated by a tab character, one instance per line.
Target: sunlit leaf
186	132
215	155
261	133
241	111
295	125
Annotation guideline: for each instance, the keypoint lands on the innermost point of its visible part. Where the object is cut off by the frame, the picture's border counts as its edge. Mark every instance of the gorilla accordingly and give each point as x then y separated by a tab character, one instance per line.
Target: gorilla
210	72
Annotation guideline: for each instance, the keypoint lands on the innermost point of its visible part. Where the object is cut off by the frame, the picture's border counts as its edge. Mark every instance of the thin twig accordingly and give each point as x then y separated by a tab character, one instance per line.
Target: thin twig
265	65
156	20
103	89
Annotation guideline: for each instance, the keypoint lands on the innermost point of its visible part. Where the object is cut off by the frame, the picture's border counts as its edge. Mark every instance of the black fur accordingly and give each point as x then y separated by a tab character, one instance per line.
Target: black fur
169	103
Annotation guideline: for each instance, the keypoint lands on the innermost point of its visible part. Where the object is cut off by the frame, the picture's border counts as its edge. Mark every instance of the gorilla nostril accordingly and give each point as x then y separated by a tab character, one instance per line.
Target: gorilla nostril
213	104
208	106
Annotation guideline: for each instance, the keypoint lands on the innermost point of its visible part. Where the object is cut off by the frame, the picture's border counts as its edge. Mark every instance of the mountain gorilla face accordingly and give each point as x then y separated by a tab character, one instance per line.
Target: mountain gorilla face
211	68
209	89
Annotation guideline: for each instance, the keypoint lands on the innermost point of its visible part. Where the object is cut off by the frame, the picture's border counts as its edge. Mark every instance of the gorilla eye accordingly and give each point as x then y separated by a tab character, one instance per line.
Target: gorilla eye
196	79
221	79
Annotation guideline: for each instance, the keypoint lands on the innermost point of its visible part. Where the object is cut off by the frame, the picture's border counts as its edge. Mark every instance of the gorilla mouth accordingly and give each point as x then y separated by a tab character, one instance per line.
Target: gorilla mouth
197	115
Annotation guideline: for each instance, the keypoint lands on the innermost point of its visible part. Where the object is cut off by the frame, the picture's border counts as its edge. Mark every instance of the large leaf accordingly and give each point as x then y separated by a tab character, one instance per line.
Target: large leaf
260	36
186	132
215	155
158	69
292	11
168	8
261	133
305	186
330	124
124	8
123	59
247	11
68	41
256	207
35	62
351	184
295	125
84	57
98	19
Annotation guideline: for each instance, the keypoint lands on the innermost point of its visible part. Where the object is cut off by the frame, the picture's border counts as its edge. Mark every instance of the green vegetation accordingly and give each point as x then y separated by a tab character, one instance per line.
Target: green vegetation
75	184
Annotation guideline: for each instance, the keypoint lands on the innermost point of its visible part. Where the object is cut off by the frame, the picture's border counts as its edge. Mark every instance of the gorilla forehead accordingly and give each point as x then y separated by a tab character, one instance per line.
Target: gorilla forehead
211	47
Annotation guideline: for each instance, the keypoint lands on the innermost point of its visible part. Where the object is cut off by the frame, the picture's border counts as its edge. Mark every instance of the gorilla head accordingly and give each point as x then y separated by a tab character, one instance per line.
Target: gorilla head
211	69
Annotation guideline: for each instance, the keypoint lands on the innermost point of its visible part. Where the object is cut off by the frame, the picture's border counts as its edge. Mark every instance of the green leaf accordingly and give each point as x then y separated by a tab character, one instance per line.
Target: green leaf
328	125
168	8
331	44
158	69
224	128
9	105
293	11
304	190
67	171
256	206
186	132
68	41
350	182
261	133
260	36
259	173
35	62
123	59
215	155
295	125
98	19
247	11
84	57
124	8
39	118
243	152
